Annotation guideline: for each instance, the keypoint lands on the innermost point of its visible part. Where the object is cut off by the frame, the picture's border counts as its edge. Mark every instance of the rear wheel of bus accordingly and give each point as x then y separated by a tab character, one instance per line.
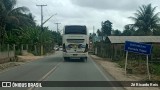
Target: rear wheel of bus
84	59
66	58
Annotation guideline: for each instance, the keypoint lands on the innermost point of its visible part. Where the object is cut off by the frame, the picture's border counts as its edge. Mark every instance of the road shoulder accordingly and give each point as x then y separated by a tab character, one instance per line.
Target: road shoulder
118	73
21	61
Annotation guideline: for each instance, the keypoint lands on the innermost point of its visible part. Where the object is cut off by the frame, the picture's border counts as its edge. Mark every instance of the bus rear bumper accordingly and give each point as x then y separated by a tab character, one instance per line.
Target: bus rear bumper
75	55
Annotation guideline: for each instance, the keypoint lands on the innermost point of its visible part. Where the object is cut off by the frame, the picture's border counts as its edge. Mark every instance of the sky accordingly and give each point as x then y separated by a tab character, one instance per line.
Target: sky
86	12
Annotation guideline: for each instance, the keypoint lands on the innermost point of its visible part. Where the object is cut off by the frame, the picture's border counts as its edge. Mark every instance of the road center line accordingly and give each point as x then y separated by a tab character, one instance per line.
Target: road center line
46	75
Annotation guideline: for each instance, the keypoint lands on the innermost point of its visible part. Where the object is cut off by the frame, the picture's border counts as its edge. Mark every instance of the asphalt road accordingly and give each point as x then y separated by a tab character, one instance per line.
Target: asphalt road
53	68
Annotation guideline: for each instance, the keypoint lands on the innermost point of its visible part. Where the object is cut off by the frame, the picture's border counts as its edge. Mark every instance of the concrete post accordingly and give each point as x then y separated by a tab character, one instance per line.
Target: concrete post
27	47
14	49
8	49
21	48
35	49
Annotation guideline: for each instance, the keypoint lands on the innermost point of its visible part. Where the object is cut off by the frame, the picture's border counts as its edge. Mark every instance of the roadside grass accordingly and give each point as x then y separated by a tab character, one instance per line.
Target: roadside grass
139	67
155	69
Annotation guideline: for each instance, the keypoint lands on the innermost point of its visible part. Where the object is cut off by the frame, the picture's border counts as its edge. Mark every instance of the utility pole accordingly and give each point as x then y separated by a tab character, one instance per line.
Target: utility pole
93	29
57	30
93	34
41	15
57	26
41	26
93	39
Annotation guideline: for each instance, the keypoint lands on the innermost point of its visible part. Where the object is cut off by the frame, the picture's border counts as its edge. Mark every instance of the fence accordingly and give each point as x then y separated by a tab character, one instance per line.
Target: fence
136	62
114	51
6	56
8	52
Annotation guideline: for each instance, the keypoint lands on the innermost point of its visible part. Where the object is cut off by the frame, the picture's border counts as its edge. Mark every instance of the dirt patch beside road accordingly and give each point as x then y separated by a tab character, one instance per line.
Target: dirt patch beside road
119	74
28	58
21	60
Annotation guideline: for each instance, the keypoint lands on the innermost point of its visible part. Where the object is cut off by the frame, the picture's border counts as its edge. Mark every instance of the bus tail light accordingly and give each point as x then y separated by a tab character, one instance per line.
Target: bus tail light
64	48
86	48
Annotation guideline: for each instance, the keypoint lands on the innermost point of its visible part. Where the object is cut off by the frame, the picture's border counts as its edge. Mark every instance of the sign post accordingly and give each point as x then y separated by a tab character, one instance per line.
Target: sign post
126	63
148	69
140	48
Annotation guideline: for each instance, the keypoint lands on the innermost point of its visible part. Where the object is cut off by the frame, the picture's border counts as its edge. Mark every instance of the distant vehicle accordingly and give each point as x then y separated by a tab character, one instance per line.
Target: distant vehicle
56	48
75	42
60	48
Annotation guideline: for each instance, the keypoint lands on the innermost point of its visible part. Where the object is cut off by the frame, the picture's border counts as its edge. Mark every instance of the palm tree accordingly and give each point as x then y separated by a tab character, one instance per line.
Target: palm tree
146	20
9	14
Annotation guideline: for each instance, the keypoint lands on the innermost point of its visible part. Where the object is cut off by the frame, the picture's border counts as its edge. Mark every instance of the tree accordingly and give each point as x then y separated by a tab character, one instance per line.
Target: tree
156	32
129	30
116	32
17	26
99	32
106	28
92	37
146	20
8	15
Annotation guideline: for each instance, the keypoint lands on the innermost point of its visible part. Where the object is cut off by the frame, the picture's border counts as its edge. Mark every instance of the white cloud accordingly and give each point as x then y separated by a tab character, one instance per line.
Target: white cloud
86	12
108	4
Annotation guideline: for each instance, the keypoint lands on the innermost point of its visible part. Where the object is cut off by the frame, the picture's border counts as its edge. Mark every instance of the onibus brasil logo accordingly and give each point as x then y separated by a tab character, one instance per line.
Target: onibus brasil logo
20	84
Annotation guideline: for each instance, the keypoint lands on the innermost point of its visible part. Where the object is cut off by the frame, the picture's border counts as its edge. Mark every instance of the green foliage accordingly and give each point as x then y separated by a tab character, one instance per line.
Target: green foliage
106	28
156	51
91	36
129	30
116	32
127	33
3	47
121	63
146	19
17	26
99	32
10	17
156	32
155	69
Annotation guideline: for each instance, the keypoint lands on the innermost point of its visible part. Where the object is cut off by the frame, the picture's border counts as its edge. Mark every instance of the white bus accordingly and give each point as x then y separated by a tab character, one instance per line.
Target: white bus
75	42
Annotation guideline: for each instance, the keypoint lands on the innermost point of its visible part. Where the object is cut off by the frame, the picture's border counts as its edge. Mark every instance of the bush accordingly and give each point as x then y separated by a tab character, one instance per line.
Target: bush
121	63
155	69
3	47
156	50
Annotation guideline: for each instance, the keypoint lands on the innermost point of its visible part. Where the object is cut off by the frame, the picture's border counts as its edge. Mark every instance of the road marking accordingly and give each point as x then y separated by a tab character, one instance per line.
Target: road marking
102	72
46	75
99	69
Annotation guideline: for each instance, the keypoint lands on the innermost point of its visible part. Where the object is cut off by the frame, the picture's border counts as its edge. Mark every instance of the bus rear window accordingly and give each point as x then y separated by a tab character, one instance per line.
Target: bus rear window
75	40
75	30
